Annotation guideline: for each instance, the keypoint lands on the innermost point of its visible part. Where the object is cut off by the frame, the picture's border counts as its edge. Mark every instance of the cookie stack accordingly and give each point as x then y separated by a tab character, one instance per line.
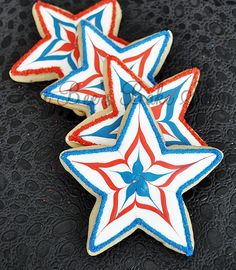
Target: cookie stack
134	151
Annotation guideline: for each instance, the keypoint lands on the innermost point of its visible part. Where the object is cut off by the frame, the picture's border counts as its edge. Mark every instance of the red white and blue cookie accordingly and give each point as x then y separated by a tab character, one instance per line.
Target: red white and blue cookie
139	183
83	89
168	100
57	53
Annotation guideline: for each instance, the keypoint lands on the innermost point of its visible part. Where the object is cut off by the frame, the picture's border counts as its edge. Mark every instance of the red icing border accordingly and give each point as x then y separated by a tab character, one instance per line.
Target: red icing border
57	70
74	136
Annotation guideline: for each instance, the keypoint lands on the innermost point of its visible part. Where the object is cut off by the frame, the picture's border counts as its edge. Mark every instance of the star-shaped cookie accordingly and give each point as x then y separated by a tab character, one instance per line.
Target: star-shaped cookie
139	183
168	100
57	53
83	89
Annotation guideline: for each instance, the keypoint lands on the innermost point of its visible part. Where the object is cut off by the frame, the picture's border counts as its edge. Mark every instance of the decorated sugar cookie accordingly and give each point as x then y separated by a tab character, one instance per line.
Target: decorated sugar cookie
57	54
139	183
169	101
83	89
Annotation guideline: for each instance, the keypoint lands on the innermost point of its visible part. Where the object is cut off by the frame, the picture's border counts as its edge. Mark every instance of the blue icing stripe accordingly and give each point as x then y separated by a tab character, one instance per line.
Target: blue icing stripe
128	91
182	139
47	50
172	101
99	86
108	130
98	18
71	62
45	56
88	103
173	94
57	24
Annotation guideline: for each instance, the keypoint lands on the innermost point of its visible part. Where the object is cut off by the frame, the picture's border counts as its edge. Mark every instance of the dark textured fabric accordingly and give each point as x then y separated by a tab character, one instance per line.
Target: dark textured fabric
44	212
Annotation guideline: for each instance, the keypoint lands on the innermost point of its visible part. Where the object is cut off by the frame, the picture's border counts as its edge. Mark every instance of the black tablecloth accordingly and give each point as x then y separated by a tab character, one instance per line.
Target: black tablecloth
44	212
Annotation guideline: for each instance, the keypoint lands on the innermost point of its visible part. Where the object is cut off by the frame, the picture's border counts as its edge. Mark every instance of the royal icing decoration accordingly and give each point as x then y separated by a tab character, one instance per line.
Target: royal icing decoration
168	100
57	54
139	183
83	89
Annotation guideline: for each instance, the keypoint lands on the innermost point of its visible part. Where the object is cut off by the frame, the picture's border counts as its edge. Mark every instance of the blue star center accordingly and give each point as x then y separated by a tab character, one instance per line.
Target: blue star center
138	180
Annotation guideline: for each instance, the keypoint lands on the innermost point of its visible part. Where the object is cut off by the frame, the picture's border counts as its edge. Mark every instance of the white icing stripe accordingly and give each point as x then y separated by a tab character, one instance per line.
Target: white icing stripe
204	161
185	84
32	63
152	46
106	20
105	234
48	14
